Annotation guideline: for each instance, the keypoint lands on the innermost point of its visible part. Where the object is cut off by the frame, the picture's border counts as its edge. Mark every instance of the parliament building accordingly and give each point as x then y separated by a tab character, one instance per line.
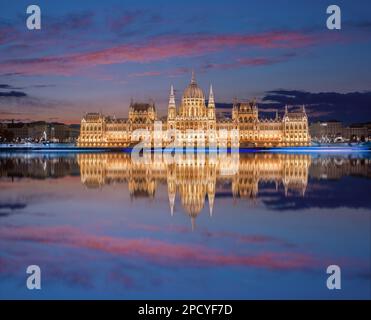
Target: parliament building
194	123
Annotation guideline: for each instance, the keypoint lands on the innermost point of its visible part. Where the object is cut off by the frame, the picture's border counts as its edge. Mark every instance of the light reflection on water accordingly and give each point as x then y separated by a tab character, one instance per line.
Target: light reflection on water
242	226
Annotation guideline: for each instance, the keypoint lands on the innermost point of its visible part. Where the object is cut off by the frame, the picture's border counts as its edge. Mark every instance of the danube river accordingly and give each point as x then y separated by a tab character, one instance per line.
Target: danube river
243	226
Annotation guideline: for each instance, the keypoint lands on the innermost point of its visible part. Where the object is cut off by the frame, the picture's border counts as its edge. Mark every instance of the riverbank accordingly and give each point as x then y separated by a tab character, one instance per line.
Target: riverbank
60	147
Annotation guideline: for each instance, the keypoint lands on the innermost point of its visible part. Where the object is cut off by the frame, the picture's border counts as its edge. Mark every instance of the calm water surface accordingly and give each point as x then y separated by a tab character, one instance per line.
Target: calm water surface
246	226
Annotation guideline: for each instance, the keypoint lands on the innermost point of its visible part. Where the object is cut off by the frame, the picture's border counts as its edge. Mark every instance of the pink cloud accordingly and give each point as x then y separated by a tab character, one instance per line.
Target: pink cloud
252	62
156	49
252	239
8	34
154	250
241	62
124	20
145	74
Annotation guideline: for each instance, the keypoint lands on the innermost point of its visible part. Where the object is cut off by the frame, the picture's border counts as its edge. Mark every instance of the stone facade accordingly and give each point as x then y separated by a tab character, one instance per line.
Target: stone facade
193	123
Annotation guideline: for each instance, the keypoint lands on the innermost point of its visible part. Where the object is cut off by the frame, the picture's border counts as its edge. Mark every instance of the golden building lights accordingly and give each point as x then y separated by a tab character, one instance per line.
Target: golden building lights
193	123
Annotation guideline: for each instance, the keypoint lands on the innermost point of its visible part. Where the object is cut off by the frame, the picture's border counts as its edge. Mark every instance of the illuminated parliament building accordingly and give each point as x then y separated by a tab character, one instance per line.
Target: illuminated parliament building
195	123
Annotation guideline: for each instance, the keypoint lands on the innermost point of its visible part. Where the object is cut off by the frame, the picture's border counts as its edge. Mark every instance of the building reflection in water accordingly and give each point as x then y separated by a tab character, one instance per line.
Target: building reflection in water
193	178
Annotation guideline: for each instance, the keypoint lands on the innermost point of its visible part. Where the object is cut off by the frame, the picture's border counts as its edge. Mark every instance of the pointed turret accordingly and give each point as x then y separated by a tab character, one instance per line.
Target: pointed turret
211	203
171	97
131	104
171	190
193	80
254	104
172	105
172	204
211	103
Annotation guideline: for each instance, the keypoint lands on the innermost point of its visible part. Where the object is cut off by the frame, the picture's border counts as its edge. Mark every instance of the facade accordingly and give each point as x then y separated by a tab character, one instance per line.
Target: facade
41	131
359	132
194	123
19	130
330	131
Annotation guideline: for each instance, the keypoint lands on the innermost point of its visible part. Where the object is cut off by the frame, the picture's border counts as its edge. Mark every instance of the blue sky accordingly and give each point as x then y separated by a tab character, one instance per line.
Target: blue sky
97	55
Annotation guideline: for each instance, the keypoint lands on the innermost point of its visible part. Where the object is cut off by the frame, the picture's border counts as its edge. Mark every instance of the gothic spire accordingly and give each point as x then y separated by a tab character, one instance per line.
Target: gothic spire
171	97
211	203
211	103
172	206
193	80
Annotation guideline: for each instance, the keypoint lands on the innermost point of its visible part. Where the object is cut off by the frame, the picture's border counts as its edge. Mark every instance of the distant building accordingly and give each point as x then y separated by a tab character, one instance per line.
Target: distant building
193	123
38	130
331	130
19	130
358	132
41	130
59	132
5	134
74	130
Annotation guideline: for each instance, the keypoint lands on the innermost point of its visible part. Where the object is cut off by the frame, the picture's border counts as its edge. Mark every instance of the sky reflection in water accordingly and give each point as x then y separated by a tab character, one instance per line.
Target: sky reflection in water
102	226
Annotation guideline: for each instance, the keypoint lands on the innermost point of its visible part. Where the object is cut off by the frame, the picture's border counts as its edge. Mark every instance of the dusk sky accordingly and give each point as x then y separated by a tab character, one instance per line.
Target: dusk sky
96	55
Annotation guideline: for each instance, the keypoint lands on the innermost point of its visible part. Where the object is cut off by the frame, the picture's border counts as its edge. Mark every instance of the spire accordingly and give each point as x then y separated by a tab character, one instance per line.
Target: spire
286	109
211	203
211	103
303	108
254	101
235	103
171	97
171	193
193	80
172	208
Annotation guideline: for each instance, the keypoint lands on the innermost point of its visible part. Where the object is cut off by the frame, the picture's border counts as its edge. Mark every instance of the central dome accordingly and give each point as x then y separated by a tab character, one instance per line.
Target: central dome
193	91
